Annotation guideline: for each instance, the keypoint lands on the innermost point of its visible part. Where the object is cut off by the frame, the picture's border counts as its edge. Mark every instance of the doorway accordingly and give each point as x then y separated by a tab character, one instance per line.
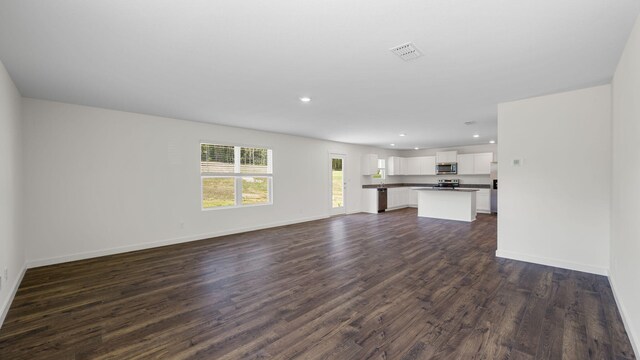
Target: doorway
338	184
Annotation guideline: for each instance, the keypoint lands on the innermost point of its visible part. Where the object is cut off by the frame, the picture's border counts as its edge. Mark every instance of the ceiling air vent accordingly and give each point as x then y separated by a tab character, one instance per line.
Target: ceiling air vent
406	51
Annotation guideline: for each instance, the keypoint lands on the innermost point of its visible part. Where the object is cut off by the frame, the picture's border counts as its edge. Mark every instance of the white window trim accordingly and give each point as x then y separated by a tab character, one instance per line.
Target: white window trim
237	176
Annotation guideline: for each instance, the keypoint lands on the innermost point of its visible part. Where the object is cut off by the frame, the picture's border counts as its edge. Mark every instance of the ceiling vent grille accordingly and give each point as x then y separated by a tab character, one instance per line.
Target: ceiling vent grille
406	51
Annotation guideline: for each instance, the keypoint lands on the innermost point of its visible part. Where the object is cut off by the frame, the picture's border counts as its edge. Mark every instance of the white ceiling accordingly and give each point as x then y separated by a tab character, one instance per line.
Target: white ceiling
246	63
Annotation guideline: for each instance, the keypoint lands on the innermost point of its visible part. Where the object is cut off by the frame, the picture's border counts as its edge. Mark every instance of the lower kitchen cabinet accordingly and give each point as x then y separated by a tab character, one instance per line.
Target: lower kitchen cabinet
401	197
413	197
483	200
394	197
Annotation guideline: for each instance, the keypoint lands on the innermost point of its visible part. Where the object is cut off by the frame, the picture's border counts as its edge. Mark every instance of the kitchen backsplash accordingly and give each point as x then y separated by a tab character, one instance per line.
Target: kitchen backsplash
427	179
464	179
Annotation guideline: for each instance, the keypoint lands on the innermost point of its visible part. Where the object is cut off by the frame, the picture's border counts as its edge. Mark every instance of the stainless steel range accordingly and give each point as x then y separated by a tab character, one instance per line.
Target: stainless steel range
447	184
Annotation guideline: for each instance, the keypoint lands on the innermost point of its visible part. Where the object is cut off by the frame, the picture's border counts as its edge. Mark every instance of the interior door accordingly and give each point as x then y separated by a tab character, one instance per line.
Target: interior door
338	184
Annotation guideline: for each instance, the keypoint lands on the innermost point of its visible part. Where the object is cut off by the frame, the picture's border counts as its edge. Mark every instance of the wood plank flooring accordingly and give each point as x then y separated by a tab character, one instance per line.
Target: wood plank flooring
363	286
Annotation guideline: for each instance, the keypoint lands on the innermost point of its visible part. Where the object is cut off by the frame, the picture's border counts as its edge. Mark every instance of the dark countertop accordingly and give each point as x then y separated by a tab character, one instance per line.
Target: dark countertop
387	186
445	189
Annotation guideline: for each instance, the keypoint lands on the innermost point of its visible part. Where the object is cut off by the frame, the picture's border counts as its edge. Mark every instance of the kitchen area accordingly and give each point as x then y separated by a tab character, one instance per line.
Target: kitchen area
453	184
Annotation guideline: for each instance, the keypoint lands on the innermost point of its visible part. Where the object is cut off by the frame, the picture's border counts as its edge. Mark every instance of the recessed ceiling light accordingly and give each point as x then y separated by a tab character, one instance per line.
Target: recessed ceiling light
392	144
476	135
403	134
305	99
416	148
492	142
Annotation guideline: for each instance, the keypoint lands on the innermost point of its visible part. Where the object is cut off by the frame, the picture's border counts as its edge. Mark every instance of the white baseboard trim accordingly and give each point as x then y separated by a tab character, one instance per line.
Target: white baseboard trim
631	333
7	303
153	244
551	262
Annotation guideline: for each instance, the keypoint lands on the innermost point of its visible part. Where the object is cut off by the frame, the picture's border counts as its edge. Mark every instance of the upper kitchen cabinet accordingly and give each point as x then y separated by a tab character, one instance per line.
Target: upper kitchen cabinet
420	165
396	165
369	164
404	165
466	164
475	164
482	163
446	156
427	165
413	166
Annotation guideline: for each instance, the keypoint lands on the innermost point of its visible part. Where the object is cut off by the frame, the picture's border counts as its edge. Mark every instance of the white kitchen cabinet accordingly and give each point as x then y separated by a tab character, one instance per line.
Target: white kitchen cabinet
413	197
427	165
475	164
482	163
483	200
466	164
393	198
446	156
420	165
370	200
398	197
413	166
393	165
369	164
396	165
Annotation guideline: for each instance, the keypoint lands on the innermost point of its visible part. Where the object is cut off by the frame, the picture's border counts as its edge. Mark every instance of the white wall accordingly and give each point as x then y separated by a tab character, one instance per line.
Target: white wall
12	252
102	181
554	209
625	201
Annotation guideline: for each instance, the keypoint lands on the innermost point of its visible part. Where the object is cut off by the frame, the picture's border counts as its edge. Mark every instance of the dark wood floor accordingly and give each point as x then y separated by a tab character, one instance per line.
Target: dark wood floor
389	286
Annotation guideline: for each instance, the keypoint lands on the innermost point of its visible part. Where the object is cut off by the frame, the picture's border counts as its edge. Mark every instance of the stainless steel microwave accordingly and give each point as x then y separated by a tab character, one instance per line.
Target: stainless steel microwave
447	168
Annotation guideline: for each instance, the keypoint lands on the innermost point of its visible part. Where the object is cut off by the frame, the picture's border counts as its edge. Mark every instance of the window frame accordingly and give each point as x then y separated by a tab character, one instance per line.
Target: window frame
237	176
382	171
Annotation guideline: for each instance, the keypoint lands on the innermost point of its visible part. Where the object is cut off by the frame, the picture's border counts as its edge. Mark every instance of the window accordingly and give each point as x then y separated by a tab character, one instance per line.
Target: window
234	176
381	174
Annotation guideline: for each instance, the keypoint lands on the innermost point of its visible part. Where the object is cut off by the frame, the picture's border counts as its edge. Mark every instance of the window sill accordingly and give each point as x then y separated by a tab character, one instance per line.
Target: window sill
235	207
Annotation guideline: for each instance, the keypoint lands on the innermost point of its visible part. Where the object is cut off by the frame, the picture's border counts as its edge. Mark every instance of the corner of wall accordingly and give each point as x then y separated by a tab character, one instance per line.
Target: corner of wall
12	241
628	325
4	309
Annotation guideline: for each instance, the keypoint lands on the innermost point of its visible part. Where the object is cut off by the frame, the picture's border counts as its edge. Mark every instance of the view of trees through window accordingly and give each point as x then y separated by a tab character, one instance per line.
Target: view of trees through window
337	189
227	179
254	160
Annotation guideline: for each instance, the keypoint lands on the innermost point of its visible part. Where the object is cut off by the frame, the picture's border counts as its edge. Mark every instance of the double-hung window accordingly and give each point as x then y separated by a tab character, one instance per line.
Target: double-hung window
235	176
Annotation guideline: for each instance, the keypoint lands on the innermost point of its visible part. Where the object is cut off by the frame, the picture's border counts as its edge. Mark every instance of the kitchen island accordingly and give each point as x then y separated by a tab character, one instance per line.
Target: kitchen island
449	204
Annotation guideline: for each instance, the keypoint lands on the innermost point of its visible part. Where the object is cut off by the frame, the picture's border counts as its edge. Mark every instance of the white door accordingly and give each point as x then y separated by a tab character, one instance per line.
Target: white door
338	184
